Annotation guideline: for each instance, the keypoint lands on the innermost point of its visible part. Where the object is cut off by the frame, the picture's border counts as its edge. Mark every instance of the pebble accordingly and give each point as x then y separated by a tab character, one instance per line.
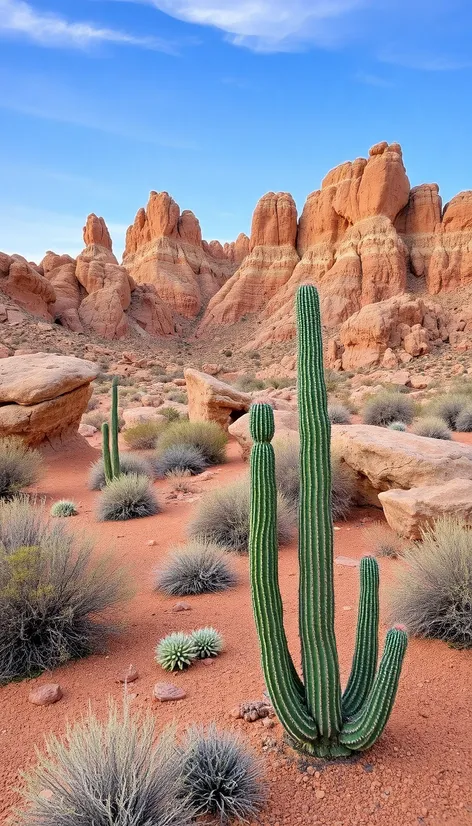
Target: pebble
45	695
180	606
319	794
167	692
130	675
152	542
208	661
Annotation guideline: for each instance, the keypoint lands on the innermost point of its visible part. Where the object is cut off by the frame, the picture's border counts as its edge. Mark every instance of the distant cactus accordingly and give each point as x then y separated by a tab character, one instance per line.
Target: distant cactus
111	460
315	715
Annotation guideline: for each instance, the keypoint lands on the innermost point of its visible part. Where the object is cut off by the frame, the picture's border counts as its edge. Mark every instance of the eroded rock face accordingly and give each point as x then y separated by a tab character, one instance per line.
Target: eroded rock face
212	400
43	396
24	283
408	512
164	248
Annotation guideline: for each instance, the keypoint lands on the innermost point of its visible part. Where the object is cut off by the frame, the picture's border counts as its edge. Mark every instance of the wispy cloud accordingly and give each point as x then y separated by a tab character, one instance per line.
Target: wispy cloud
20	19
373	80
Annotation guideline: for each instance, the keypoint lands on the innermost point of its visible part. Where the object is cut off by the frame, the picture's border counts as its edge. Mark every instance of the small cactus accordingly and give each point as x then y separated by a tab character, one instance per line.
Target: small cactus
111	459
64	508
176	651
208	642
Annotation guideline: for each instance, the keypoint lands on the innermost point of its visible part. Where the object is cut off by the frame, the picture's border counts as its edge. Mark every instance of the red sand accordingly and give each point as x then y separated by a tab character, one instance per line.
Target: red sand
418	773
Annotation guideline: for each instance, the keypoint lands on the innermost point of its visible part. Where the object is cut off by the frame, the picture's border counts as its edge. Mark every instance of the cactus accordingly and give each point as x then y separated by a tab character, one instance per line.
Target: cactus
111	460
317	717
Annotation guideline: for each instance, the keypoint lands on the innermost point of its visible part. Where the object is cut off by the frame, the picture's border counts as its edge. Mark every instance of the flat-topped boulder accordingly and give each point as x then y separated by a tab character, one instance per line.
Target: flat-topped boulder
409	511
39	377
212	400
384	459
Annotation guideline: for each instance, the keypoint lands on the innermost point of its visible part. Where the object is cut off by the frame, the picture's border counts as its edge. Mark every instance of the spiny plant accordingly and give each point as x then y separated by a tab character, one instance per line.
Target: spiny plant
64	508
127	497
182	458
176	651
399	426
111	458
207	641
130	463
200	567
316	716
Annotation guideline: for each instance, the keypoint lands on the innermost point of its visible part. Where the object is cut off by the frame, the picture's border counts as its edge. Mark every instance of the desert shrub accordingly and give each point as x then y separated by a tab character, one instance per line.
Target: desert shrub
223	518
95	418
181	481
249	384
53	597
433	593
170	413
208	642
93	403
129	464
181	458
107	772
19	466
128	497
220	775
287	472
339	413
279	383
449	408
176	652
464	421
177	396
64	508
385	408
332	379
143	435
433	427
383	540
196	568
208	437
399	426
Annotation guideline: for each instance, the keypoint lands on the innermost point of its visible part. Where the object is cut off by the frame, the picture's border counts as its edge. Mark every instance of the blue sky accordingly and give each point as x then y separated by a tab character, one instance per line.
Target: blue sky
217	101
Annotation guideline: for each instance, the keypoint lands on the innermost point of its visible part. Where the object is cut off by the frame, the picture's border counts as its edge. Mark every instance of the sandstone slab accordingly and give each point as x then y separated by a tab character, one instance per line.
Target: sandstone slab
211	400
41	377
409	511
286	426
52	422
168	692
45	695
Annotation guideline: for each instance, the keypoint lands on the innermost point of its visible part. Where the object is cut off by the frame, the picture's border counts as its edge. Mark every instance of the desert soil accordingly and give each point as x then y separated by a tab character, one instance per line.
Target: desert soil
418	773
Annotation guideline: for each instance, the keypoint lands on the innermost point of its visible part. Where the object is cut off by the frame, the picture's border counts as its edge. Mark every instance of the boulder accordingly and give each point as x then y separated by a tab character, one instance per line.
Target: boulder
286	426
211	400
53	422
384	459
136	415
409	511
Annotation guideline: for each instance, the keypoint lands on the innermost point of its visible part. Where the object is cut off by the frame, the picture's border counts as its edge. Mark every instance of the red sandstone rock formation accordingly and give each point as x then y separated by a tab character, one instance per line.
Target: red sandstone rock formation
24	283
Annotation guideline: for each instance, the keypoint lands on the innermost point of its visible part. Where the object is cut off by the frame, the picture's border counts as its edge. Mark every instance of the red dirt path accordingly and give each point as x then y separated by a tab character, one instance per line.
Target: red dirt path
418	773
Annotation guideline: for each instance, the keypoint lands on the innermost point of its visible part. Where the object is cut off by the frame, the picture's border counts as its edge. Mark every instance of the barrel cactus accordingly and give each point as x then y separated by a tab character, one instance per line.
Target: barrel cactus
317	717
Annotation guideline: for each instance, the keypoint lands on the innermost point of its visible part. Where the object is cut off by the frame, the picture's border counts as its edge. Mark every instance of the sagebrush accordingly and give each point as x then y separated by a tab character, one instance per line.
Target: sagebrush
181	458
208	437
432	427
127	497
129	464
200	567
387	407
143	435
20	466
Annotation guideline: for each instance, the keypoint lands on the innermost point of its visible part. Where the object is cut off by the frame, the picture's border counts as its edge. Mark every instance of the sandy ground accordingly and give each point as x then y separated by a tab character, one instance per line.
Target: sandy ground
418	773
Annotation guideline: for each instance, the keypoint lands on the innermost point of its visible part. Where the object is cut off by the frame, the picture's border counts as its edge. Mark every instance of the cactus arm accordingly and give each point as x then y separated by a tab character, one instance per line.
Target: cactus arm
106	452
364	662
115	454
283	683
366	727
316	592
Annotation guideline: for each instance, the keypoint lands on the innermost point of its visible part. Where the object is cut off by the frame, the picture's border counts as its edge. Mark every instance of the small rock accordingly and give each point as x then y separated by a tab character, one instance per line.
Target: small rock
46	794
152	542
167	692
180	606
130	675
208	661
45	695
319	794
235	713
267	722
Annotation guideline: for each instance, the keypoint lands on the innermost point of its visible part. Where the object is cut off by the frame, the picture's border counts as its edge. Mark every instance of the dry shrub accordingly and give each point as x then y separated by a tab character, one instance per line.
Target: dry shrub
383	540
129	464
180	458
432	427
208	437
128	497
143	435
196	568
20	466
387	407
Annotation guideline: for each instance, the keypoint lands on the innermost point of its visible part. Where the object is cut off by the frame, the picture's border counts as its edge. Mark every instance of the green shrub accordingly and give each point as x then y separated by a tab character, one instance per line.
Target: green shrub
128	497
208	642
433	593
223	518
181	458
176	652
464	421
170	413
287	471
53	597
143	435
108	772
197	568
221	776
19	466
64	508
432	427
129	464
249	384
399	426
338	413
449	408
385	408
383	540
208	437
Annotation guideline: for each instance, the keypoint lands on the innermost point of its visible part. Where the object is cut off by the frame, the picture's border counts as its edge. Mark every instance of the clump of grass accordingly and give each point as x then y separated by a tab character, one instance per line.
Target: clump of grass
54	599
108	772
20	466
64	508
399	426
176	652
127	497
95	418
384	541
143	435
432	427
181	458
199	567
223	518
129	464
464	421
338	413
221	776
279	383
207	641
287	473
170	413
249	384
433	593
177	396
449	408
385	408
208	437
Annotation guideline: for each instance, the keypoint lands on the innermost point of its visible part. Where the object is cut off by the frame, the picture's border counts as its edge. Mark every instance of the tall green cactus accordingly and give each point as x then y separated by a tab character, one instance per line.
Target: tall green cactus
111	459
315	714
